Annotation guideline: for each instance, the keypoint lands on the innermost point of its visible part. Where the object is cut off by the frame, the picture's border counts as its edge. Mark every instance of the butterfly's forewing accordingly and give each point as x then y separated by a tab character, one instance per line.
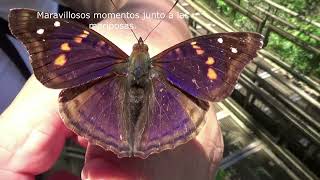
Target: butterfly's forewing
207	67
173	118
64	53
95	111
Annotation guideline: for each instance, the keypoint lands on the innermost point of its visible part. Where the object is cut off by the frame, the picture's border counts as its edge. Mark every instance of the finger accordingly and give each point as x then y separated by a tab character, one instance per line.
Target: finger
82	141
100	164
210	138
32	133
79	140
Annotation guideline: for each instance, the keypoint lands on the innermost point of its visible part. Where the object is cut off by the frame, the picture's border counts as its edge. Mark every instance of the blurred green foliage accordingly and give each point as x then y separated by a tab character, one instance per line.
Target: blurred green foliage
304	61
221	174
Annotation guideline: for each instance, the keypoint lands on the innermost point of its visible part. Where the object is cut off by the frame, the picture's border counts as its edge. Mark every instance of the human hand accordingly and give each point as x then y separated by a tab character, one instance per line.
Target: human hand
32	133
32	137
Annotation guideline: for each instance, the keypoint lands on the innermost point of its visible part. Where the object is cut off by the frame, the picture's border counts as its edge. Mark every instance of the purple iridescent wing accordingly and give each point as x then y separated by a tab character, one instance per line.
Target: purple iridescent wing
208	67
95	112
64	53
174	117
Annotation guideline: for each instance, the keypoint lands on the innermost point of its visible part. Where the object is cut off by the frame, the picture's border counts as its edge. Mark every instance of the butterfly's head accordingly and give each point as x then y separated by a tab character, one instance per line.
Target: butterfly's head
140	46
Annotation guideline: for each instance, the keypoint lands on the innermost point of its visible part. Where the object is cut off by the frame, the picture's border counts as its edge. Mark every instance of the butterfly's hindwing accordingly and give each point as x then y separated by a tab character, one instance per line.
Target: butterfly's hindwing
95	111
64	53
208	67
173	119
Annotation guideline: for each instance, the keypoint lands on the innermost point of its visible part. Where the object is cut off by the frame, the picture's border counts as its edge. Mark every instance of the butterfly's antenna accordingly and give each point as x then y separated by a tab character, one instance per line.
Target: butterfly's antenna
124	19
161	20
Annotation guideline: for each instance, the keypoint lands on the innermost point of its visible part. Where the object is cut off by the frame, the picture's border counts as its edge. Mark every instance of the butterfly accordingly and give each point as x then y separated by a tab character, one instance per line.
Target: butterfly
132	105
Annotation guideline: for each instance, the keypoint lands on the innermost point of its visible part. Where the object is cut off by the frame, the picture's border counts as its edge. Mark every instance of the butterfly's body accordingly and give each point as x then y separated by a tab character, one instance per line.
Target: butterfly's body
138	87
137	105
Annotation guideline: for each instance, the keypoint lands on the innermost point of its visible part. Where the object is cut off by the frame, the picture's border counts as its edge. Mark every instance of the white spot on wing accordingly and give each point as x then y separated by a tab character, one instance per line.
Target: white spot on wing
234	50
56	24
40	31
220	40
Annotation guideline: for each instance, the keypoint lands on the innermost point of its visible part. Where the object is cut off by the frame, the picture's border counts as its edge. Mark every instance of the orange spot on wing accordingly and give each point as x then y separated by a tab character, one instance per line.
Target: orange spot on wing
212	74
86	32
60	60
196	47
83	35
65	47
199	51
78	40
193	43
210	61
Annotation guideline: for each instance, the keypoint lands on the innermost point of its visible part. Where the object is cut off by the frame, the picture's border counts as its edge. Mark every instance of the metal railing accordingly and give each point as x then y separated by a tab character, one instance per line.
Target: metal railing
267	24
294	118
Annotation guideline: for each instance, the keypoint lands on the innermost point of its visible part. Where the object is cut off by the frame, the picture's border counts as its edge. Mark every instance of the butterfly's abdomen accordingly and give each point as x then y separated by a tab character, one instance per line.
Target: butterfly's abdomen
138	83
136	99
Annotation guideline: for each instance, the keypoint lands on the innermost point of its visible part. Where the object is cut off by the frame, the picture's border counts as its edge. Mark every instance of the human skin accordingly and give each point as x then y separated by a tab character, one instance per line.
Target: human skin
32	133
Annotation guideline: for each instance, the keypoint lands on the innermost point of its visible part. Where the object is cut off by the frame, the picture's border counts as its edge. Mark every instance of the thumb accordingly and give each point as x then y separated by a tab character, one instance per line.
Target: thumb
101	164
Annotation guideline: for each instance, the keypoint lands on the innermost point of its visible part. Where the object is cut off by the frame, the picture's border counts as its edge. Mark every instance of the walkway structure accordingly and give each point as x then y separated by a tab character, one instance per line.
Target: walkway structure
271	124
